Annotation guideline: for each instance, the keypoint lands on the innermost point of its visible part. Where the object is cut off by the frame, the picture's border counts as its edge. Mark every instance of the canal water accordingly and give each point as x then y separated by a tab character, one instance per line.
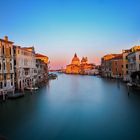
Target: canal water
73	107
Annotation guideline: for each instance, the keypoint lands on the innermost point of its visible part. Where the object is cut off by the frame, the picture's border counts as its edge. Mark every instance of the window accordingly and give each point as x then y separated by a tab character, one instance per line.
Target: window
5	83
0	66
4	65
14	62
2	49
4	76
14	51
139	57
127	66
10	66
10	50
11	76
1	85
12	83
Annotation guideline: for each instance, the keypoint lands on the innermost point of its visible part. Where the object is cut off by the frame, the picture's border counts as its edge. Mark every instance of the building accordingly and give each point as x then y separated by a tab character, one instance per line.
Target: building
25	67
74	67
20	67
133	61
106	65
111	66
42	68
6	66
44	58
121	65
125	64
117	66
79	67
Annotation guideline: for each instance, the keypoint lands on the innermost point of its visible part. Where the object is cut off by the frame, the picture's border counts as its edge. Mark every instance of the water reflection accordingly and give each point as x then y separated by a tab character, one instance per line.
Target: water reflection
118	83
74	84
73	108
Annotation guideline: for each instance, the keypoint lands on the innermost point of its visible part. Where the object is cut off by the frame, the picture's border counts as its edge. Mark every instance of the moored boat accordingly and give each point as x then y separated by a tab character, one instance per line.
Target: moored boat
15	96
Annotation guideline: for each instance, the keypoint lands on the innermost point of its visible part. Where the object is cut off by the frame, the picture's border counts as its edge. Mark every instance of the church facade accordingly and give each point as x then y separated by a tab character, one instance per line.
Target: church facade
79	67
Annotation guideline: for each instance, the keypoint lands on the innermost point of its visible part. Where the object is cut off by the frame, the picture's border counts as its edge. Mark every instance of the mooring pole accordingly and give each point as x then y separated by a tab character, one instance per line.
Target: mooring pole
3	93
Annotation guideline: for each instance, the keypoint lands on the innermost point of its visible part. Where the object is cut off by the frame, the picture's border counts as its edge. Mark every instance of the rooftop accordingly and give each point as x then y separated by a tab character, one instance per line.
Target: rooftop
6	40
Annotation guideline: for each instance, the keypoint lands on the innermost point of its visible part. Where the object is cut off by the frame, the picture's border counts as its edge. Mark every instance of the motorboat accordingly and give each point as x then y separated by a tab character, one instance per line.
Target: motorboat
52	76
31	88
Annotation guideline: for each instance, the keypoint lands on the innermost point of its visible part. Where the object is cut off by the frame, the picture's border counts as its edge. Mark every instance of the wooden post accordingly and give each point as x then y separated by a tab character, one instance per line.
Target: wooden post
3	93
128	87
13	91
128	90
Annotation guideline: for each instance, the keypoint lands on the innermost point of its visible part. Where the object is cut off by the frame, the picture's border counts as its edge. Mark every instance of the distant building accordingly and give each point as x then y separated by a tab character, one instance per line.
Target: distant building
77	67
6	65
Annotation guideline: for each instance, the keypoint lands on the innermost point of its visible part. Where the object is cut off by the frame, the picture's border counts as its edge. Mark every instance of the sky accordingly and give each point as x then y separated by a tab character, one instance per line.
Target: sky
60	28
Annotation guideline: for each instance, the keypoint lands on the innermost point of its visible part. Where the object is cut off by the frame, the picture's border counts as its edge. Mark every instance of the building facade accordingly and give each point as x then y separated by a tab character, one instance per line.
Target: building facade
25	67
106	65
125	64
6	65
111	66
133	62
117	66
42	68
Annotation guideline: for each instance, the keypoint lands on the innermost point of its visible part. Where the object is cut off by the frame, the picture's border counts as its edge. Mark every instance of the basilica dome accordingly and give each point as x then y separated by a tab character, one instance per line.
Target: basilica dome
75	60
84	60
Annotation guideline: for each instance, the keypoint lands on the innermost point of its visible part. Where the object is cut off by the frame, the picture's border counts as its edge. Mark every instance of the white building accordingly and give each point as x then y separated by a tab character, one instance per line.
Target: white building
134	62
25	67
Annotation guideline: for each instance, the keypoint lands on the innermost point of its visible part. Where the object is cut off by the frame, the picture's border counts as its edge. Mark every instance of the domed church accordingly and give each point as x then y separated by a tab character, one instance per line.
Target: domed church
75	60
77	66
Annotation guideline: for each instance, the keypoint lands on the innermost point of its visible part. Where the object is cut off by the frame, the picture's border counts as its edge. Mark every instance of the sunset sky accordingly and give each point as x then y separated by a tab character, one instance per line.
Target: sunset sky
59	28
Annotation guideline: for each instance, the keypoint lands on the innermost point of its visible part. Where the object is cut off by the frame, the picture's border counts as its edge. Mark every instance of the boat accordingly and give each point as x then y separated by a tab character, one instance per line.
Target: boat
15	96
31	88
129	85
52	76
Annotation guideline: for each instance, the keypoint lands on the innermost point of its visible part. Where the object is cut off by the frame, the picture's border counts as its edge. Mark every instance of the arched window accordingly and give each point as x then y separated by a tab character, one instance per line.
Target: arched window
4	65
10	50
10	66
2	49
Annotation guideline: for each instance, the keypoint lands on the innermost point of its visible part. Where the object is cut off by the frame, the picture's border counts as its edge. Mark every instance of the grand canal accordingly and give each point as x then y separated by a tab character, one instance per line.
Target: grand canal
73	108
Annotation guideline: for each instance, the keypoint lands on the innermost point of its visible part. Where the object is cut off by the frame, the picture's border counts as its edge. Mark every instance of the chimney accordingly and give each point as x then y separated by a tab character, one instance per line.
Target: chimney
6	38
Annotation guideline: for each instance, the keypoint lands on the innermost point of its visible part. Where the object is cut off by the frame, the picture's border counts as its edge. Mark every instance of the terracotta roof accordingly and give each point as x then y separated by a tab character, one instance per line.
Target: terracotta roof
118	56
40	55
3	40
22	48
